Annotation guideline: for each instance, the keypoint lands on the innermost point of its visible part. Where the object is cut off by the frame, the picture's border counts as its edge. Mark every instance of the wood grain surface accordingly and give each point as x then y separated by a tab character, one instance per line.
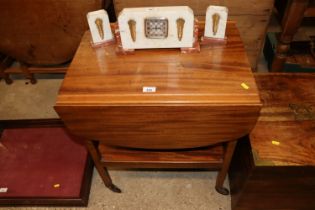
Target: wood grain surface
296	141
285	131
199	98
274	168
173	126
281	92
272	187
134	158
43	32
213	76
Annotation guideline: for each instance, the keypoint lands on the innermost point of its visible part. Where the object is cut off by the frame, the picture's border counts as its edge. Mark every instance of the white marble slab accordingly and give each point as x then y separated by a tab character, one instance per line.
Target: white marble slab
105	24
222	12
172	14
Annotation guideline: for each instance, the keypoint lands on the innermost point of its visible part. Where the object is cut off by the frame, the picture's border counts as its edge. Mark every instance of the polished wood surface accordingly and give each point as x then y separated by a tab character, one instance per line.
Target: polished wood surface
161	127
212	76
274	169
257	187
287	118
199	98
206	157
43	32
296	143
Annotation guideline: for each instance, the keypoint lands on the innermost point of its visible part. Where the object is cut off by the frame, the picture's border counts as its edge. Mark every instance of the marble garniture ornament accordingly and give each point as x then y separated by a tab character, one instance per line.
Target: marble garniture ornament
100	27
156	27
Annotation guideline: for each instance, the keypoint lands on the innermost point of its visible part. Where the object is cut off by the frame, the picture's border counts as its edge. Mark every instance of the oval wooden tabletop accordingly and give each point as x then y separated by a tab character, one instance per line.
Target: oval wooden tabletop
200	99
219	74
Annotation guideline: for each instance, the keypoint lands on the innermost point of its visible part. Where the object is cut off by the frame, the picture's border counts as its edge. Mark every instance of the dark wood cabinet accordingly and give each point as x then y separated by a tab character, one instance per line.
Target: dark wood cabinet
275	168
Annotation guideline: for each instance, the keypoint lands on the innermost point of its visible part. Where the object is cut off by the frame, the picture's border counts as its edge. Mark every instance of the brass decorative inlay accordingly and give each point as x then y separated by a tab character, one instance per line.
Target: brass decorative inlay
99	25
261	162
302	111
180	28
215	23
132	29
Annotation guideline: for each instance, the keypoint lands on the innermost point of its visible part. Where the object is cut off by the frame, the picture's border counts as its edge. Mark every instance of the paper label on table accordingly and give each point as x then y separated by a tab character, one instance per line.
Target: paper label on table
3	189
149	89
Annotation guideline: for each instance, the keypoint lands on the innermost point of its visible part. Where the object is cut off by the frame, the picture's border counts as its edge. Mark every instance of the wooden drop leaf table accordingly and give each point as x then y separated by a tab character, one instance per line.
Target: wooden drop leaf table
160	108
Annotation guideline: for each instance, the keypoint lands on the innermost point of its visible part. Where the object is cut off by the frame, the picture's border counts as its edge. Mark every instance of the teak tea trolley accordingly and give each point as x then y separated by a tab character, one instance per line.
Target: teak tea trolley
197	107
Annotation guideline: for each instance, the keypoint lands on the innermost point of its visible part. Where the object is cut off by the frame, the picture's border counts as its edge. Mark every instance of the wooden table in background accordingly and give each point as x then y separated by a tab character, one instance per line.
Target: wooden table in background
275	168
201	99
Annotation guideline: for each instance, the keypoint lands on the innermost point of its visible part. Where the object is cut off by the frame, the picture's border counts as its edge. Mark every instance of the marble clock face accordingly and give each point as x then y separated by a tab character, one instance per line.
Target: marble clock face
156	28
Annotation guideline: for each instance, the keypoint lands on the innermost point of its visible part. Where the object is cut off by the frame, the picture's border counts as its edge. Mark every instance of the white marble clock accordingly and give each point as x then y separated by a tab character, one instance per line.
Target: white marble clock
216	19
99	26
156	27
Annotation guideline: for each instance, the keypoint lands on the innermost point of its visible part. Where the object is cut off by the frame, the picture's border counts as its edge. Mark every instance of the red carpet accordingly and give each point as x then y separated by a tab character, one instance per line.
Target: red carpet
41	162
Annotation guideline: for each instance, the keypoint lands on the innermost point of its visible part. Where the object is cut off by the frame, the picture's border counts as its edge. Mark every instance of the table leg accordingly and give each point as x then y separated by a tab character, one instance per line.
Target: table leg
290	23
101	170
5	76
225	167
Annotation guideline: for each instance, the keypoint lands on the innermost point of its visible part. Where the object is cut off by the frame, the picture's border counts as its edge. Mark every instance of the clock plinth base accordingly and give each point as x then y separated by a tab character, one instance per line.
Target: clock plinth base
101	44
121	51
196	46
209	40
193	49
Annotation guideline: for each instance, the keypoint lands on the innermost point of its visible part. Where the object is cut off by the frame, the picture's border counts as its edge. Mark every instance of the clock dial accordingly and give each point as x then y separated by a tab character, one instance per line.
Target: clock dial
156	28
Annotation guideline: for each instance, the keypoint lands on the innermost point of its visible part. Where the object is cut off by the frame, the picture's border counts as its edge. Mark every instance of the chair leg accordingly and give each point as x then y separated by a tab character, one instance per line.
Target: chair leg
7	79
5	62
225	167
28	74
290	23
5	76
101	170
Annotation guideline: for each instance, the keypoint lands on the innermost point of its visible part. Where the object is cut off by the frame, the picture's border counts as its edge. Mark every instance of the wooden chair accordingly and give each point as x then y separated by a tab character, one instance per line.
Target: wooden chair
295	11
